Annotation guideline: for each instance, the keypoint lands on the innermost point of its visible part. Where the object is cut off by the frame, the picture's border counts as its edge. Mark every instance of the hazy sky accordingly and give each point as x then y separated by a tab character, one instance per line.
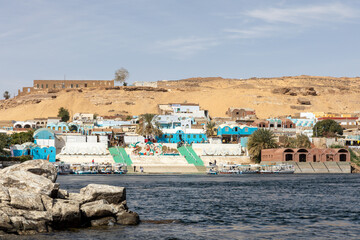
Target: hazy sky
175	39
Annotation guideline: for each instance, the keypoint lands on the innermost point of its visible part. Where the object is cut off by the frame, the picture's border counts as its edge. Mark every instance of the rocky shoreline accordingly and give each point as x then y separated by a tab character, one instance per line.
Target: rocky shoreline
32	202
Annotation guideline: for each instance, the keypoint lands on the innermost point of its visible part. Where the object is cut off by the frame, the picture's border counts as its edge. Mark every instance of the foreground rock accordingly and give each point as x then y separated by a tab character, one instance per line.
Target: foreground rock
31	202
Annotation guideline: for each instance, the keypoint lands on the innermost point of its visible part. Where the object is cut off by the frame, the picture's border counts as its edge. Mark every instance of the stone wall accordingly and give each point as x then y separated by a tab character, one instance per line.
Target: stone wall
68	84
145	84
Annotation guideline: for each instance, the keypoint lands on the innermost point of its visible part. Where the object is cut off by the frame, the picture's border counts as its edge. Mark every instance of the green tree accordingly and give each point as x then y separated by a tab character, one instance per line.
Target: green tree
259	140
327	128
121	75
64	114
5	142
147	127
300	141
7	95
22	137
210	129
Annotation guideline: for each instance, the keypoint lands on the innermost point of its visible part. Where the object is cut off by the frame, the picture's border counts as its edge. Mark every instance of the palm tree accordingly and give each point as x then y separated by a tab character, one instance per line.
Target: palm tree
302	141
147	127
260	139
210	129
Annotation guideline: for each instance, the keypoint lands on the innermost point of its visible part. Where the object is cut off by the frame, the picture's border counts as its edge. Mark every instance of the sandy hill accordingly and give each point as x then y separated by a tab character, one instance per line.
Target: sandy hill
270	97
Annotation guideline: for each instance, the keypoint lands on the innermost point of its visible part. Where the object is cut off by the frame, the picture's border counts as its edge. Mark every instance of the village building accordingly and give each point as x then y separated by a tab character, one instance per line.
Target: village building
233	133
305	155
240	113
178	134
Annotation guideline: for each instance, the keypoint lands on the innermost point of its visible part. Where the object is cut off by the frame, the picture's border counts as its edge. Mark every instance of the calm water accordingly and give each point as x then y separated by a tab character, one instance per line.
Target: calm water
230	207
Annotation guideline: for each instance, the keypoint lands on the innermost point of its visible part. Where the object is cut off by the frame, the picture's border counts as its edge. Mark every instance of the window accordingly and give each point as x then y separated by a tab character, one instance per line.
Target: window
171	136
236	129
47	86
63	86
194	136
85	85
42	85
72	85
226	129
77	85
37	86
54	85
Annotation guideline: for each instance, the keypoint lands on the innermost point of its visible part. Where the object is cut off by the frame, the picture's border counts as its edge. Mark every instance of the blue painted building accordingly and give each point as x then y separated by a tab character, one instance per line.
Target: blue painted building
186	135
231	133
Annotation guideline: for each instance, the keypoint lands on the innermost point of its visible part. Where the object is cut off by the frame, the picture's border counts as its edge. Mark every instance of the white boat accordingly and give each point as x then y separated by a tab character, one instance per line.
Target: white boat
212	170
281	168
91	168
105	168
119	168
63	168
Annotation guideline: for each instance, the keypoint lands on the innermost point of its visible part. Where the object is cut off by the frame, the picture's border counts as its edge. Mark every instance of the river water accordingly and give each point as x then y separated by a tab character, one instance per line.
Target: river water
323	206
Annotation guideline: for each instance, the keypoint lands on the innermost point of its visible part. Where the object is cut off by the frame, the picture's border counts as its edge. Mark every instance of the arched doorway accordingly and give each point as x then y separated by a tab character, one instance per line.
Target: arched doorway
343	157
302	155
289	155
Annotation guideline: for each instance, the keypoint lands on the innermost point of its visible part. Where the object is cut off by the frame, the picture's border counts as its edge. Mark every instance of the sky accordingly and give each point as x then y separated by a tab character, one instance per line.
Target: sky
176	39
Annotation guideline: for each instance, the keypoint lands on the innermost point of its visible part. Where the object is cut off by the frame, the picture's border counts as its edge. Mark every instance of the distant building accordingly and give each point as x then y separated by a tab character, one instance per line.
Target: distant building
233	132
176	135
305	155
241	113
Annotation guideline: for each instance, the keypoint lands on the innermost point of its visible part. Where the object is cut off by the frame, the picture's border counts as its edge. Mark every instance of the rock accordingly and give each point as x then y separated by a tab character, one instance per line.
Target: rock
128	218
63	194
66	213
48	202
4	194
304	101
100	208
38	167
24	226
106	221
31	202
25	200
112	194
28	182
5	222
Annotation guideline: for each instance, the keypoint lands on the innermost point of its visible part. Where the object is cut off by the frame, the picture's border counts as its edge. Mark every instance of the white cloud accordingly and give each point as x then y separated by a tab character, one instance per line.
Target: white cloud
304	14
252	32
186	47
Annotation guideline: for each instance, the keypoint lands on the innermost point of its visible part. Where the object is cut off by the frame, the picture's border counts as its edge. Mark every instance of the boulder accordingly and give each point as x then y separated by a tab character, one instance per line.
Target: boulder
111	194
38	167
304	101
128	218
106	221
100	208
25	200
31	202
28	182
66	213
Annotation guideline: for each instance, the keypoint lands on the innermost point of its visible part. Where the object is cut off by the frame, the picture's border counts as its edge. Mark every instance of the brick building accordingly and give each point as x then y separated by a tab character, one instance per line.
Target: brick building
66	84
240	113
43	85
305	155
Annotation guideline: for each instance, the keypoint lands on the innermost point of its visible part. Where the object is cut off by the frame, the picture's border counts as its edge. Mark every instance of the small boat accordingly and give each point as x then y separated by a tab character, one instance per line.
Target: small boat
88	169
281	168
63	168
238	169
105	169
212	170
119	168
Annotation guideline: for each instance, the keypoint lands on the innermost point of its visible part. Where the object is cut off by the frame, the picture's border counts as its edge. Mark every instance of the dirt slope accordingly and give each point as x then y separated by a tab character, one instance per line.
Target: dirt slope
269	97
